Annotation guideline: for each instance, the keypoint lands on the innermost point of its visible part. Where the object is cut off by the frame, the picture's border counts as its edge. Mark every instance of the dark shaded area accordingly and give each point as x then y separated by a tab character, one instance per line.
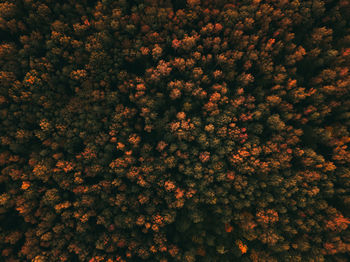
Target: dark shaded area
178	4
137	66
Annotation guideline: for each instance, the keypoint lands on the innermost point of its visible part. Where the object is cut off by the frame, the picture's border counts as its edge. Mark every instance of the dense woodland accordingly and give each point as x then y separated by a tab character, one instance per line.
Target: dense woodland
159	130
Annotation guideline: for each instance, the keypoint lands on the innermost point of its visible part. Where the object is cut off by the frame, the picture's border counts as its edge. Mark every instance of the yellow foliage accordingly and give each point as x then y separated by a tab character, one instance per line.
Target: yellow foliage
242	247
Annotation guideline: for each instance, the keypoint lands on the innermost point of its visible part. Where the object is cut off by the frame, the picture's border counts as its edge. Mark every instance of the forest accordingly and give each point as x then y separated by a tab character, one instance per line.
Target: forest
174	130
